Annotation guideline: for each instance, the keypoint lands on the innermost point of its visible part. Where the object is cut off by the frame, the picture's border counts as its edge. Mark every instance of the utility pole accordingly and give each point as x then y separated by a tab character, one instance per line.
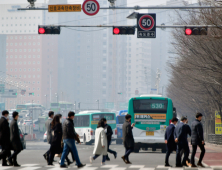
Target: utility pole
157	80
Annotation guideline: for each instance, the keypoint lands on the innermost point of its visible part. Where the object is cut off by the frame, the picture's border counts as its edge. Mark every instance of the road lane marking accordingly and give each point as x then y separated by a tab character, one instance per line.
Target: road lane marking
109	166
137	166
29	168
30	165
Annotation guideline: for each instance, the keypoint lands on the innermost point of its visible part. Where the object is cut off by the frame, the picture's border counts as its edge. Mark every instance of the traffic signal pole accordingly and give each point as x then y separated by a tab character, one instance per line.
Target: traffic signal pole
158	26
139	7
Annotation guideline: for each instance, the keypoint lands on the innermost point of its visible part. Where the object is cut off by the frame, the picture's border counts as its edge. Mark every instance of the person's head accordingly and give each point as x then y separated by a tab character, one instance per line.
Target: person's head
104	120
71	115
51	114
56	120
15	115
101	124
5	113
183	119
199	116
174	120
128	117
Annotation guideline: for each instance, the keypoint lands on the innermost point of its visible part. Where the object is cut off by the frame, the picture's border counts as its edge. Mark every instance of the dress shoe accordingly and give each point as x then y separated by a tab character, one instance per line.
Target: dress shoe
115	155
45	156
128	162
168	165
201	165
185	165
63	166
81	166
179	165
69	163
124	160
5	165
9	160
107	159
50	164
16	165
193	166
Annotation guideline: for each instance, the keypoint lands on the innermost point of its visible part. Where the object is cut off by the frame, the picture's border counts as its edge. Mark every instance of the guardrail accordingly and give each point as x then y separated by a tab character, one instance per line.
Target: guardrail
215	139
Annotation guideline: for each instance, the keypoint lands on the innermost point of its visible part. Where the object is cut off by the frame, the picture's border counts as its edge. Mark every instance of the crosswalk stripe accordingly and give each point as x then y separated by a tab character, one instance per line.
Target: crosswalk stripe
137	166
29	168
30	165
109	166
3	168
147	169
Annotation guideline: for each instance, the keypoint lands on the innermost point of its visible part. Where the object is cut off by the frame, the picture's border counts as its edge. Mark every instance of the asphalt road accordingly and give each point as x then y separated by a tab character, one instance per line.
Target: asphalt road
32	159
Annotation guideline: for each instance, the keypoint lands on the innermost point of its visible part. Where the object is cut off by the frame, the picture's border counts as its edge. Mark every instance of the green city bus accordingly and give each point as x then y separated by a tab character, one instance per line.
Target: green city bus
86	123
42	120
151	115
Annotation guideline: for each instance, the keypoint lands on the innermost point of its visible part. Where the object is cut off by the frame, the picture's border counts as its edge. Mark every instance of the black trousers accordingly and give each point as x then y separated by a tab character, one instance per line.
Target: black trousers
168	152
186	149
6	152
202	148
109	150
127	153
14	155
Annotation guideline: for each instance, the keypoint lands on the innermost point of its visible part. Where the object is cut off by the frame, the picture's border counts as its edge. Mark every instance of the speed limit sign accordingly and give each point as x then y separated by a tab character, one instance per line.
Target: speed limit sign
90	7
146	26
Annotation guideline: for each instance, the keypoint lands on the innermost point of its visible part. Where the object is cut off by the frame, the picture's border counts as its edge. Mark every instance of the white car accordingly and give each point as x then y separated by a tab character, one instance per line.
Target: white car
27	122
45	137
36	125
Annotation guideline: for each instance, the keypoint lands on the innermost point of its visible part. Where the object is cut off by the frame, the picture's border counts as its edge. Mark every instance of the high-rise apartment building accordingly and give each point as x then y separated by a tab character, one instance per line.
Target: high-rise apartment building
31	59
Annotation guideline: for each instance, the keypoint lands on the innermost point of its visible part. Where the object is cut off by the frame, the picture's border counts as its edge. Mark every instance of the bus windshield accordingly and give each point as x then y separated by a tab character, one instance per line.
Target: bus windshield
120	119
150	106
98	116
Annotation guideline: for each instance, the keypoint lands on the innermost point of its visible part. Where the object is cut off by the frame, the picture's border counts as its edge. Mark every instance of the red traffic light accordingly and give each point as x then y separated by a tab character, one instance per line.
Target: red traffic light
188	31
41	30
116	30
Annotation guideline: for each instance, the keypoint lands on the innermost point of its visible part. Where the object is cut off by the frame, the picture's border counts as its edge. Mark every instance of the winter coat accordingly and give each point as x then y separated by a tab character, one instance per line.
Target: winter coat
100	140
109	132
128	139
4	133
15	136
48	129
56	138
68	129
197	133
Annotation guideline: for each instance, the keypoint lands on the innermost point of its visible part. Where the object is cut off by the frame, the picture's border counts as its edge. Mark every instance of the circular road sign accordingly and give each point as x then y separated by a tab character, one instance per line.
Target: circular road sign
146	22
90	7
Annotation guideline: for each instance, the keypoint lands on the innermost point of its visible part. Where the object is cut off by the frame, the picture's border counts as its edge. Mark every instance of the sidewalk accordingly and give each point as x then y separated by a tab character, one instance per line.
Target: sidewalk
213	155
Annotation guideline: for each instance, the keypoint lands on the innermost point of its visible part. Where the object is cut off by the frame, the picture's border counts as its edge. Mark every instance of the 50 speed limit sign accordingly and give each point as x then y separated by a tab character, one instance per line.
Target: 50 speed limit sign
90	7
146	26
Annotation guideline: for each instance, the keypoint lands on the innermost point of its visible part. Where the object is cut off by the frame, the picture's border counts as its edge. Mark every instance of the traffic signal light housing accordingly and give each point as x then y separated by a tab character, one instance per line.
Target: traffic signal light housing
31	94
123	30
48	29
195	30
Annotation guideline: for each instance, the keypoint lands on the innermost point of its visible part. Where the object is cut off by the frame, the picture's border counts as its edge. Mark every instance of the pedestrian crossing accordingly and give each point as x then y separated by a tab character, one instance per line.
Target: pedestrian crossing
104	167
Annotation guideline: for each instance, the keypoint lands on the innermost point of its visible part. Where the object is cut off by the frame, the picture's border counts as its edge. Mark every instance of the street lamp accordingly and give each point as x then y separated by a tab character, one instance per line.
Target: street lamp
98	103
46	101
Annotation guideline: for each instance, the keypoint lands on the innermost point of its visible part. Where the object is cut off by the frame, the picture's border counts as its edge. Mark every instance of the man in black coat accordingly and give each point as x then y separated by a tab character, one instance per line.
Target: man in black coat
15	140
49	133
197	139
128	140
188	132
180	136
4	137
109	133
169	140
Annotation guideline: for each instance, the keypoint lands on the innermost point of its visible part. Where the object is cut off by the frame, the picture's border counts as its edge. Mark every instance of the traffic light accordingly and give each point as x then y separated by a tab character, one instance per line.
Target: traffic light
123	30
195	30
49	29
31	94
14	94
120	93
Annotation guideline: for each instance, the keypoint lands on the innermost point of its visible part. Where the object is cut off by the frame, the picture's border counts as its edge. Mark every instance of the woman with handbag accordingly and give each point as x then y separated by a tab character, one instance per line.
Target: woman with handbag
100	147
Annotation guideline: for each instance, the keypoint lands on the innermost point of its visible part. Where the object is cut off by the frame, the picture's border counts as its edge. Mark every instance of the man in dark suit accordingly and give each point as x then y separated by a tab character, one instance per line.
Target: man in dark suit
180	137
4	137
15	140
49	133
197	139
188	132
169	140
109	133
128	139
